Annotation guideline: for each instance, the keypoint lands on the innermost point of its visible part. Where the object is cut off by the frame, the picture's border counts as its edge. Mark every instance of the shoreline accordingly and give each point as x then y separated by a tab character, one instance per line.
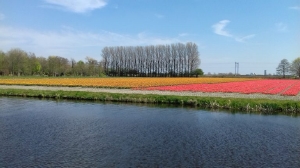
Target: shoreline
155	92
252	103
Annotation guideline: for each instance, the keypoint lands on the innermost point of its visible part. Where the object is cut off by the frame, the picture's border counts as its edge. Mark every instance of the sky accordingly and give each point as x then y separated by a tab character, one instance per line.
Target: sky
257	34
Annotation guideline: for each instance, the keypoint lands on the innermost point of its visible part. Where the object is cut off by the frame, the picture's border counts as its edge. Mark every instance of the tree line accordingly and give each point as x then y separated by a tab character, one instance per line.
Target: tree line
160	60
17	62
286	68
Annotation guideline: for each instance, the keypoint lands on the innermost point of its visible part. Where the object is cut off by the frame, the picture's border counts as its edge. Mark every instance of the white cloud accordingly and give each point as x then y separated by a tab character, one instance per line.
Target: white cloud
243	39
69	42
183	34
295	7
78	6
2	16
281	27
219	28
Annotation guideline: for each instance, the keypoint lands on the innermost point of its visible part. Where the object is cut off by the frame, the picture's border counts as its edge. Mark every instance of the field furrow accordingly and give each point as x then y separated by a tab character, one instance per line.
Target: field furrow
264	86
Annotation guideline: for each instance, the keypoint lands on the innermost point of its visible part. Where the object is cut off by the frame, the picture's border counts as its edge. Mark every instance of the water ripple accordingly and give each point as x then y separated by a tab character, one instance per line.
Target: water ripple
46	133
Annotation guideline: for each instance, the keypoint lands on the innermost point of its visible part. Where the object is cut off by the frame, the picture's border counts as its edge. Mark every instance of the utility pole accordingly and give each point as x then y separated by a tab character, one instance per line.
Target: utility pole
236	68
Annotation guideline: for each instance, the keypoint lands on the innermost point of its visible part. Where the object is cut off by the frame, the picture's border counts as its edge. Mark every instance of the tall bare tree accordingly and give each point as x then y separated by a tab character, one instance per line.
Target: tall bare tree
283	68
92	66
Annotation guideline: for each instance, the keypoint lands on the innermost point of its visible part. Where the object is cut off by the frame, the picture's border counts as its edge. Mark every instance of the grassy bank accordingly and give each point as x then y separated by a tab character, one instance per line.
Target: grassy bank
264	106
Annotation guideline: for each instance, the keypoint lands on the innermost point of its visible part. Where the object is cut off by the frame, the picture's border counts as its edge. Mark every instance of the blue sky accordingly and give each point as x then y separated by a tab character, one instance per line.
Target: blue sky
256	33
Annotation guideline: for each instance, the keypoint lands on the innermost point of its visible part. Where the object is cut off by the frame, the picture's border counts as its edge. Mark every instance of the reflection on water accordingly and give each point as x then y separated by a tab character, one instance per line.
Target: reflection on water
47	133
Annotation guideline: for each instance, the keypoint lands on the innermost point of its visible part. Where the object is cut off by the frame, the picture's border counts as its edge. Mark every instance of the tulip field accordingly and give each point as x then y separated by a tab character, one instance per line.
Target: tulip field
114	82
263	86
283	87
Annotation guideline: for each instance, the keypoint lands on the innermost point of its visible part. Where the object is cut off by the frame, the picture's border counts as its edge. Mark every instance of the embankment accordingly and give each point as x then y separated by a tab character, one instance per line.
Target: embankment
258	103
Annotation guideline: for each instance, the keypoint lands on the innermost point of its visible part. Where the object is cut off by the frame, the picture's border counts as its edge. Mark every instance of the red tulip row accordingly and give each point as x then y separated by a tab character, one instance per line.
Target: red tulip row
292	91
280	86
267	86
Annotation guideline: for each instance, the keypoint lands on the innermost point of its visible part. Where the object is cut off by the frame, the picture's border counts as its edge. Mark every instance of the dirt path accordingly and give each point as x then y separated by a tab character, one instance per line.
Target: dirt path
130	91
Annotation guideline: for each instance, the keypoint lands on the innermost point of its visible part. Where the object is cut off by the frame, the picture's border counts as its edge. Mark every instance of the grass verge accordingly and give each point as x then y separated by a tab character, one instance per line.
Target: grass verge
264	106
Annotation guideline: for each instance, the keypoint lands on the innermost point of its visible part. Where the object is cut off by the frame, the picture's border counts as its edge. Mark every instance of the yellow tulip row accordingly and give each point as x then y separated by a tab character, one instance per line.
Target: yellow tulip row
115	82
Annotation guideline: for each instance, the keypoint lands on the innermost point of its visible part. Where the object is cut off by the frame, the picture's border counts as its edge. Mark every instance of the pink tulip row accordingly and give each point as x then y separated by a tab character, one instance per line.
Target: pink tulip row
281	86
292	91
266	86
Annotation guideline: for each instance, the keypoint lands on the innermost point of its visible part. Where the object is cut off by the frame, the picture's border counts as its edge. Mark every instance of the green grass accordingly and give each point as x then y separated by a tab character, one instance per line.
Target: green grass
264	106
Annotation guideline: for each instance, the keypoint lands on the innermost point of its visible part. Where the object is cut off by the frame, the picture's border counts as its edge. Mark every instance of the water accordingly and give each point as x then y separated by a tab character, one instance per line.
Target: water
47	133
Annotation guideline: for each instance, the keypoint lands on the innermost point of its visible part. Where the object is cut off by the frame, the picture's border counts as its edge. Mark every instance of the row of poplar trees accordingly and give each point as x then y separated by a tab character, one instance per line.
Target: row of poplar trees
155	60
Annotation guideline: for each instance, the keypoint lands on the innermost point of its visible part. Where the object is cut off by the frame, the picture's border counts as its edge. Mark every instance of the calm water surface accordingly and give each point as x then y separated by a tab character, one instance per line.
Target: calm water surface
47	133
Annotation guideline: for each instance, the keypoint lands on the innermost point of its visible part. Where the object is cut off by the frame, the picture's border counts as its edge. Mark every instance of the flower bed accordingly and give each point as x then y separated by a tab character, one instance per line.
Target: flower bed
266	86
115	82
